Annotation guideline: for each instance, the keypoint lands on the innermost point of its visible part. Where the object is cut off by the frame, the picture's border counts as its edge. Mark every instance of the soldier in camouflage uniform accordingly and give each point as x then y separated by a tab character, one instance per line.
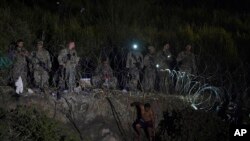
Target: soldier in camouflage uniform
134	65
186	61
164	58
41	64
68	60
20	67
104	76
149	77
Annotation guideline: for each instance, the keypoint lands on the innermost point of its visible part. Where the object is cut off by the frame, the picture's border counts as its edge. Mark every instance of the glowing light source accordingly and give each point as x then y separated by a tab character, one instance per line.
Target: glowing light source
135	46
157	65
192	105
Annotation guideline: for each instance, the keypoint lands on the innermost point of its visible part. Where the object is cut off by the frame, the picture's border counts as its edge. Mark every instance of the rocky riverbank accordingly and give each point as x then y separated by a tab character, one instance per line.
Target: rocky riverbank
100	115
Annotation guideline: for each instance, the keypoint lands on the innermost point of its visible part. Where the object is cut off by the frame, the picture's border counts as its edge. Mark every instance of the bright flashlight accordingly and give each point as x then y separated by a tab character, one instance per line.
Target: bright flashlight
157	65
135	46
169	56
192	105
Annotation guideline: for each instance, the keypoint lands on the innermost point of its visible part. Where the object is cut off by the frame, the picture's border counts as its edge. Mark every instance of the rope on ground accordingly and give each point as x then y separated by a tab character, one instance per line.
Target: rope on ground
71	119
117	119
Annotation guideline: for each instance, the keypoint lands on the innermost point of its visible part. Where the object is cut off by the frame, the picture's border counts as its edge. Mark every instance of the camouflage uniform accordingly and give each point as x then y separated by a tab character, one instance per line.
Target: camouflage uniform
41	66
68	59
20	67
186	61
163	60
104	77
134	64
149	72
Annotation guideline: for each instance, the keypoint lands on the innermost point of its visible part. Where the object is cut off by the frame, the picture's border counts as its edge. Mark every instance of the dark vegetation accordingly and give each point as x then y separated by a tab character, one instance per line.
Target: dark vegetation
29	124
190	125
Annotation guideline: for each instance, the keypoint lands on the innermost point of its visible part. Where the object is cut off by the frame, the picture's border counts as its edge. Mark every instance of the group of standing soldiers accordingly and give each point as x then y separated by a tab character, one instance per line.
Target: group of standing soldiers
39	63
155	67
152	66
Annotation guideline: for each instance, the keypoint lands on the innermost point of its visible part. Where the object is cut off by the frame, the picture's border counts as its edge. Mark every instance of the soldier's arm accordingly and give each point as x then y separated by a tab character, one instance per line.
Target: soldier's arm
32	58
76	59
146	61
179	57
25	52
27	55
128	61
60	57
158	58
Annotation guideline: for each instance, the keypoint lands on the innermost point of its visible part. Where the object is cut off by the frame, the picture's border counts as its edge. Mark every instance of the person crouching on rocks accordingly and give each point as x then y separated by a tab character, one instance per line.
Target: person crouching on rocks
104	77
145	120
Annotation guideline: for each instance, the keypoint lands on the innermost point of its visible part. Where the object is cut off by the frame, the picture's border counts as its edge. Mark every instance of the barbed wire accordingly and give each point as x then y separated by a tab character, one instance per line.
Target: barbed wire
203	91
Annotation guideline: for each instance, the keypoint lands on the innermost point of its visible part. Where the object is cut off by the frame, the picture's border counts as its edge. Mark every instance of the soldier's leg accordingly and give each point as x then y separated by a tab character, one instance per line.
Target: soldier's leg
146	80
72	79
62	79
24	79
37	79
137	78
166	83
45	80
160	81
67	75
149	80
185	72
95	81
178	81
134	79
163	82
152	80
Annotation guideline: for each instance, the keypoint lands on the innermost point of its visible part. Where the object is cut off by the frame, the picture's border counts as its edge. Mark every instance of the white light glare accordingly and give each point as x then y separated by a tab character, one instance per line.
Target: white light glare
194	106
135	46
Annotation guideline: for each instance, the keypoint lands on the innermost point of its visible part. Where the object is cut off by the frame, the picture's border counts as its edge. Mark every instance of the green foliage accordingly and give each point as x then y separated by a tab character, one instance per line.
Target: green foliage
192	125
5	62
218	33
28	124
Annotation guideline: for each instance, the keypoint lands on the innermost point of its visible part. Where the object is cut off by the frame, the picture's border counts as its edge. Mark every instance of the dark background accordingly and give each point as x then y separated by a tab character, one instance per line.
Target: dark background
218	29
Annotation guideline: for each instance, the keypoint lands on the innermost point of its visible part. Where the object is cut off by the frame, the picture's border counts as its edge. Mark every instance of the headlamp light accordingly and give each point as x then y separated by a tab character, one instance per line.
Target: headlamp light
135	46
